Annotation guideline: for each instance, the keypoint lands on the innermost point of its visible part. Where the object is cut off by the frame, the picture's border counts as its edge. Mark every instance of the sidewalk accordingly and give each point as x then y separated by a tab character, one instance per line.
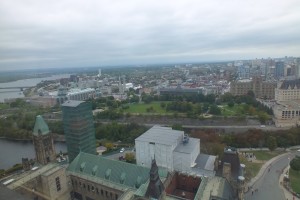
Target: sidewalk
288	195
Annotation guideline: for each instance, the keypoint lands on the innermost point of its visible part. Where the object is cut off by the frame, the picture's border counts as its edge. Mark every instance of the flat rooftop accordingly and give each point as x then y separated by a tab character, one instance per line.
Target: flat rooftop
72	103
188	147
161	135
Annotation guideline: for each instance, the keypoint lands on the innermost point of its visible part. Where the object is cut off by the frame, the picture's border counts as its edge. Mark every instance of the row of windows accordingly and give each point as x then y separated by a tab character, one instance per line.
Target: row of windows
58	186
95	189
291	112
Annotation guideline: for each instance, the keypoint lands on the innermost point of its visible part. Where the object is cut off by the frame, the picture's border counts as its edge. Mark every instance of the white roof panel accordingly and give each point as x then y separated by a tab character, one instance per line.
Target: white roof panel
161	135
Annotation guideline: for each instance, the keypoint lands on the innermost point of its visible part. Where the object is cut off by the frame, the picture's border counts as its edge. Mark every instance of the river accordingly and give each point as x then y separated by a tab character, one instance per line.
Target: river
12	151
16	93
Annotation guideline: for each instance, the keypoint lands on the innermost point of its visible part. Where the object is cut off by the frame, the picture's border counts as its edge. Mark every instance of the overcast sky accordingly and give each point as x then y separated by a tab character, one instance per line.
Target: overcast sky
75	33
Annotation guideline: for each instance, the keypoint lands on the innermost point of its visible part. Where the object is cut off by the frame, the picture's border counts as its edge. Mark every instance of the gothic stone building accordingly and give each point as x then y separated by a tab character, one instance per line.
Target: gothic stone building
261	89
43	142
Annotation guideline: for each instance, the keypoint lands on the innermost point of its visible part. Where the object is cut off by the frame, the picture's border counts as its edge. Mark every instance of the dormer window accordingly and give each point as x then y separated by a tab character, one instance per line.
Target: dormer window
123	177
107	173
82	166
94	170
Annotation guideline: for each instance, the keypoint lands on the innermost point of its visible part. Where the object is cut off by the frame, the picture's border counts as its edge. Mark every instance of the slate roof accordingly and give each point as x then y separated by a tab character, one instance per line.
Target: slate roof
117	172
290	83
40	126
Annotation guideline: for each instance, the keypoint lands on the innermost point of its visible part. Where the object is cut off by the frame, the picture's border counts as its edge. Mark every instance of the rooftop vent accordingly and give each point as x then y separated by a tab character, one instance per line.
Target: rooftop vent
185	139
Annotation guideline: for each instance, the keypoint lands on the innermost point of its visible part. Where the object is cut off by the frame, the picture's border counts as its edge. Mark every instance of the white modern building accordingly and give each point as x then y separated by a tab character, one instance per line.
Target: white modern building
81	95
174	150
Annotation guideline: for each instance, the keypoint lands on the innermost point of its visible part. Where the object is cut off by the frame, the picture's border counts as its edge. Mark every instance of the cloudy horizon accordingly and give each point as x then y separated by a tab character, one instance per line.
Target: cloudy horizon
50	34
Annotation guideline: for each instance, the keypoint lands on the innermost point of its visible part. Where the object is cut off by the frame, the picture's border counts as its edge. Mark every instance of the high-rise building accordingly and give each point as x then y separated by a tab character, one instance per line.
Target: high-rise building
43	142
298	68
279	69
78	128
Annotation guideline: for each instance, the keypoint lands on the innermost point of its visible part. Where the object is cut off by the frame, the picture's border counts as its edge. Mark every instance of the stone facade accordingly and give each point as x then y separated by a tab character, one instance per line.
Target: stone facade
44	149
287	90
261	89
43	142
287	113
84	189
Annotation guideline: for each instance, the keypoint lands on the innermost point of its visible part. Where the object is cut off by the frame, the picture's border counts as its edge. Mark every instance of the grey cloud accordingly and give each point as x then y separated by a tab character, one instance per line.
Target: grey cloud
78	33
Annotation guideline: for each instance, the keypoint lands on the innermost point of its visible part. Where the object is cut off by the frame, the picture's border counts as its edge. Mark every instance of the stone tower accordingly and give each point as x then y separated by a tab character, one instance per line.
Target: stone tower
43	142
155	187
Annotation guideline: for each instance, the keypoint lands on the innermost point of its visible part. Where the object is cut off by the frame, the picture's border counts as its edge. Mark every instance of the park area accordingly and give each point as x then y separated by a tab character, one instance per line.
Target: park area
143	108
155	107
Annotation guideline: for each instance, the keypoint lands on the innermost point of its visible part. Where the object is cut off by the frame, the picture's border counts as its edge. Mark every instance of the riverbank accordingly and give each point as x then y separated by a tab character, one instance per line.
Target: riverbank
12	151
56	138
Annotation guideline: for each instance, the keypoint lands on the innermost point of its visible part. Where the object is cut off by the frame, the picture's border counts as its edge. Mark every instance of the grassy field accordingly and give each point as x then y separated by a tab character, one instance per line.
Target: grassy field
265	155
4	106
141	108
231	111
252	168
295	180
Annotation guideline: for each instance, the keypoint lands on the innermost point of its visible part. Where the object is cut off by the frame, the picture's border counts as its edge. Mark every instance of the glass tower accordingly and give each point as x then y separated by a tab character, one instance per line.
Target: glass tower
79	128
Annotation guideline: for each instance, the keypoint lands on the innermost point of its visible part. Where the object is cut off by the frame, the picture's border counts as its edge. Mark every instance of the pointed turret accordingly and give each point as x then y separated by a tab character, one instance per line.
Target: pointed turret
155	187
40	126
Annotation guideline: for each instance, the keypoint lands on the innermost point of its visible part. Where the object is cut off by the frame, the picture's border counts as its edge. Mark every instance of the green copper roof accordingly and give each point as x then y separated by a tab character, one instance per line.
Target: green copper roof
114	171
40	126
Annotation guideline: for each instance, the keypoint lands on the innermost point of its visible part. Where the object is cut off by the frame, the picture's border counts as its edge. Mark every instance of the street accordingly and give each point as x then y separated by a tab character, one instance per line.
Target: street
268	186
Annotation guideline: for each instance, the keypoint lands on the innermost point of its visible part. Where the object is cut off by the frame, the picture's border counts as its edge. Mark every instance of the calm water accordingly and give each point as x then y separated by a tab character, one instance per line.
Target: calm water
16	93
12	152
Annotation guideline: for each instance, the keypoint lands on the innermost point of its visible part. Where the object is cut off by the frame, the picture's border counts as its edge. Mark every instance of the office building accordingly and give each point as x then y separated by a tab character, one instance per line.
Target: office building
78	128
279	69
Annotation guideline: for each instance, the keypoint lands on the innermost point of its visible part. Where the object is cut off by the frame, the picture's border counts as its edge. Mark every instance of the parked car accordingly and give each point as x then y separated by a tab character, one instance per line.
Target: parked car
122	150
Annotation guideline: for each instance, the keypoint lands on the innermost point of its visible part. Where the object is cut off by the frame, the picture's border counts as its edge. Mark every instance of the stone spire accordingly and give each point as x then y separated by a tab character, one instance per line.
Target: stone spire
155	187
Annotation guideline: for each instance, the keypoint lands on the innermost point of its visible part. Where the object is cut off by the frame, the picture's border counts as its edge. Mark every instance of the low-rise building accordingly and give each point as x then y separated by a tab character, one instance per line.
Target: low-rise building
173	150
287	113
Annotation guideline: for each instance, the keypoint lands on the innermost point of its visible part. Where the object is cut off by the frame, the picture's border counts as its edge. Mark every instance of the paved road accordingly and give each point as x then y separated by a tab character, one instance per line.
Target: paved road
268	184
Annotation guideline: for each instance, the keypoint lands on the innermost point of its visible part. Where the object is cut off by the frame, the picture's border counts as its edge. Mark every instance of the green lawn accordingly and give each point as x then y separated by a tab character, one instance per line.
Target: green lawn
231	111
252	168
295	180
4	106
141	108
265	155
